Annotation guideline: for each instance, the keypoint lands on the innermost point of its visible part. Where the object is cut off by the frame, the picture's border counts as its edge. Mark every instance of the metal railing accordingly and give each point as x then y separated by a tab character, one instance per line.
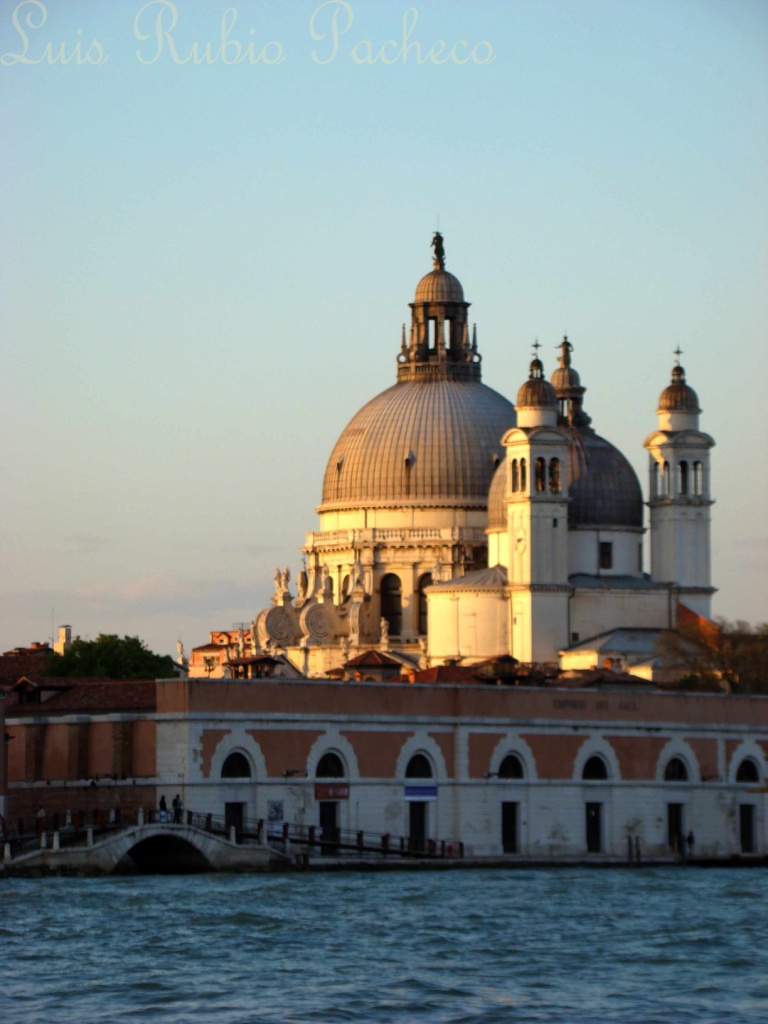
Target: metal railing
84	830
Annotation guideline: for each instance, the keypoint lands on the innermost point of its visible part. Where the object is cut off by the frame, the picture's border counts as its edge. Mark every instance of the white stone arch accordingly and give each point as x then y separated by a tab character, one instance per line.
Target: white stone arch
512	744
747	750
600	747
238	742
332	742
678	748
422	743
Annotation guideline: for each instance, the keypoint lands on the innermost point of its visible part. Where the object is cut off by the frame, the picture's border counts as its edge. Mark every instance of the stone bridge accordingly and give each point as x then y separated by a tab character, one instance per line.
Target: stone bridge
148	848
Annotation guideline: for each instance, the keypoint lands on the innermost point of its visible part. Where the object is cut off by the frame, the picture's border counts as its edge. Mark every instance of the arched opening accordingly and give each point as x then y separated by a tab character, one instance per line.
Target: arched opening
163	855
595	769
418	767
682	477
540	472
236	766
523	475
747	771
698	478
511	768
655	480
515	476
424	582
676	771
665	488
555	485
345	586
330	766
392	603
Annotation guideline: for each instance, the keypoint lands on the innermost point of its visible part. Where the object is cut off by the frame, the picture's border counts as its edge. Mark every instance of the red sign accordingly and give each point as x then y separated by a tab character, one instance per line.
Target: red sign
331	791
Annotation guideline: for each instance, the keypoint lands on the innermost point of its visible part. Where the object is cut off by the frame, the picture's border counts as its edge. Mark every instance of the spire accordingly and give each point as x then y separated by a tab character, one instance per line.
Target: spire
570	393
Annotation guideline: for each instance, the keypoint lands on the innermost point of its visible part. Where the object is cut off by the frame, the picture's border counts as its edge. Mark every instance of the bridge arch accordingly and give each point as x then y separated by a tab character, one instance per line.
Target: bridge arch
163	853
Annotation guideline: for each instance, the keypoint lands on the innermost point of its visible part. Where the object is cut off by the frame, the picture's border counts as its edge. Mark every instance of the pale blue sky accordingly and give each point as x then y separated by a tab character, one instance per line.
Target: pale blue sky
206	268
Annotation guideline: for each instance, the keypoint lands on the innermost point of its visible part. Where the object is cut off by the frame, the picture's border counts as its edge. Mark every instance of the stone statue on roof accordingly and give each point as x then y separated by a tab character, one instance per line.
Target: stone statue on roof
437	245
565	348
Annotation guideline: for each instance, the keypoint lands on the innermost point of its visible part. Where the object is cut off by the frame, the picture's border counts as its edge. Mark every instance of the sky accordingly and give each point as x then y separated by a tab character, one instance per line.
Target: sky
215	217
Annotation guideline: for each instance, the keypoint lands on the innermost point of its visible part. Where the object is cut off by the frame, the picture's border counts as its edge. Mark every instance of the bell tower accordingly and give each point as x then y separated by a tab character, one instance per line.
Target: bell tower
680	496
537	516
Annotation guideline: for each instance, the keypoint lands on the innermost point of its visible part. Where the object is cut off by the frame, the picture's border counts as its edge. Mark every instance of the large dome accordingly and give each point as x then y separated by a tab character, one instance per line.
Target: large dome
603	487
429	442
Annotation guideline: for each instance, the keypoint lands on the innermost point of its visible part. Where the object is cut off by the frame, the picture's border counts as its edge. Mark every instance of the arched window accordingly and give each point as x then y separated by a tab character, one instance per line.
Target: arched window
682	477
665	480
392	603
345	586
676	771
330	766
418	768
515	476
236	766
424	582
747	771
595	769
698	478
511	768
523	476
555	485
540	470
655	480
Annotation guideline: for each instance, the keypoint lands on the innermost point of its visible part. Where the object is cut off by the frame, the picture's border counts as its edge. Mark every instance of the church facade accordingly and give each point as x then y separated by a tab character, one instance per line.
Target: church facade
456	526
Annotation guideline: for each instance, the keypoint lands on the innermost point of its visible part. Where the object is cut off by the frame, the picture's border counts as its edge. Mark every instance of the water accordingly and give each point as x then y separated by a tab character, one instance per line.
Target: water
666	946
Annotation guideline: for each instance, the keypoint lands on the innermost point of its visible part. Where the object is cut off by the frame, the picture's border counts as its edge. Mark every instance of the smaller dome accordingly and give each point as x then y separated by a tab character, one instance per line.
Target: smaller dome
537	393
439	286
678	396
565	377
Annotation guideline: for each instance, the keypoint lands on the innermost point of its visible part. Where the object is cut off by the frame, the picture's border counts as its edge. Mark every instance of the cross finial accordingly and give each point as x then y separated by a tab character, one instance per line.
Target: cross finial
536	347
678	353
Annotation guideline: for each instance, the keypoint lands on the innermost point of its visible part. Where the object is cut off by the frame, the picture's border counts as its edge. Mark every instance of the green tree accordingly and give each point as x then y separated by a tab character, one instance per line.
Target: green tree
111	657
733	655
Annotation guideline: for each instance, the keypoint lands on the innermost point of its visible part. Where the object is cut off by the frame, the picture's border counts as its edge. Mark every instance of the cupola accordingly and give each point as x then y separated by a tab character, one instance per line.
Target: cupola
678	403
536	400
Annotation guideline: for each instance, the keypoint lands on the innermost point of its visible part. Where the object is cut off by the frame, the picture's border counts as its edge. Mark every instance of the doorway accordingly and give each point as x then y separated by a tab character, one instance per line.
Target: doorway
675	825
747	827
417	826
594	828
509	816
234	816
329	826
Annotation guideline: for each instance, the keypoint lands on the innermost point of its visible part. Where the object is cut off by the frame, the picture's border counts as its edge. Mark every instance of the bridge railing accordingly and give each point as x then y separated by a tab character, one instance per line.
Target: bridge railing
84	829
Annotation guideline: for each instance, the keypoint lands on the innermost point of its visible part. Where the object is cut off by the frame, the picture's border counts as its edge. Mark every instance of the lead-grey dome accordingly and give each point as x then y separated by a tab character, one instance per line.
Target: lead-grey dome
439	286
603	486
678	396
430	442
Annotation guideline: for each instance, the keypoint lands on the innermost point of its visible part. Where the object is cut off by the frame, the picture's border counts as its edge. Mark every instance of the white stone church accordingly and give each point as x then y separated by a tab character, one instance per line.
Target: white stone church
458	527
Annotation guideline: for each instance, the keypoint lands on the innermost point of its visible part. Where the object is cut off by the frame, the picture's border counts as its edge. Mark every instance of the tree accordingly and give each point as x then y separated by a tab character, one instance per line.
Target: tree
732	655
110	657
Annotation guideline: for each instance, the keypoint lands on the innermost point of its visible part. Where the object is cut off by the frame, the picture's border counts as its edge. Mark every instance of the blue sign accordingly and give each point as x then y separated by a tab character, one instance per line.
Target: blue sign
421	792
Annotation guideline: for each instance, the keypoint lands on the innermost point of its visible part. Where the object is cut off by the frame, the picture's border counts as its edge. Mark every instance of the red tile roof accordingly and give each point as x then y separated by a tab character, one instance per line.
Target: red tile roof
89	695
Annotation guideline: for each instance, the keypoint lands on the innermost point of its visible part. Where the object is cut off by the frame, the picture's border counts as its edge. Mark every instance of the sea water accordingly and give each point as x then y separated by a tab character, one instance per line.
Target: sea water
581	946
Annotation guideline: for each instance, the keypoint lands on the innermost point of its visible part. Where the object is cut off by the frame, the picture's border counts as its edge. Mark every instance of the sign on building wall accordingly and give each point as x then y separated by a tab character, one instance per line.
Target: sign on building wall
275	810
421	792
331	791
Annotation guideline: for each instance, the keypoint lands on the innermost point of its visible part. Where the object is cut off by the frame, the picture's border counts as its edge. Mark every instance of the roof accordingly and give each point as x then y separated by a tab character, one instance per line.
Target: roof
494	577
620	641
420	442
373	659
93	695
